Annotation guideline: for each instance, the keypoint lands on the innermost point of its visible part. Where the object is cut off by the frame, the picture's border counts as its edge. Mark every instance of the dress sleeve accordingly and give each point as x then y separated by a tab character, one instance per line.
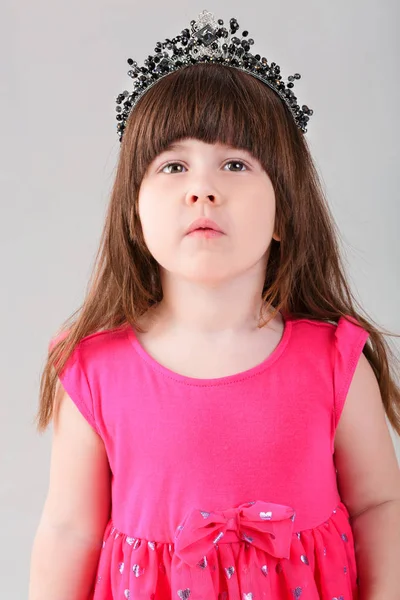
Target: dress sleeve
349	341
76	383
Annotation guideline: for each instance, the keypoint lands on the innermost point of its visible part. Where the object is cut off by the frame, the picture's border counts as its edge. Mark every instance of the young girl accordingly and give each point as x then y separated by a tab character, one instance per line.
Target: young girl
219	401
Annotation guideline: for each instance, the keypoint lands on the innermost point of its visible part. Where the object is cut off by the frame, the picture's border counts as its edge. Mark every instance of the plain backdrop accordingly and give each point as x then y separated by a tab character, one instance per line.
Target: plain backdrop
62	66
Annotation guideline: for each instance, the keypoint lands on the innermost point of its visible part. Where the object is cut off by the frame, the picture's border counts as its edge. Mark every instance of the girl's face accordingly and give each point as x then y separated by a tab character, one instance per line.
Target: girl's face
228	185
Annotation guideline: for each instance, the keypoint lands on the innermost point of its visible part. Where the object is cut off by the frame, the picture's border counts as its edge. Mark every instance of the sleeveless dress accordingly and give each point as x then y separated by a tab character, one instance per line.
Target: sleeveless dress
224	488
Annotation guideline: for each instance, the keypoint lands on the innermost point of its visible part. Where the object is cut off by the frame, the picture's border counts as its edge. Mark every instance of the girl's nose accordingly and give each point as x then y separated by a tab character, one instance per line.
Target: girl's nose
200	197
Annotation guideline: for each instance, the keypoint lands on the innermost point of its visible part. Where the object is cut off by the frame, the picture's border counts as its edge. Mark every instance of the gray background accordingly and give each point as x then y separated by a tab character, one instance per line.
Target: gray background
62	66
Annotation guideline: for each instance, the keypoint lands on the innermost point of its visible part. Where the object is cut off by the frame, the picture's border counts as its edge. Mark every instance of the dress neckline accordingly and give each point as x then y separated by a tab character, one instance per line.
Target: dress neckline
216	381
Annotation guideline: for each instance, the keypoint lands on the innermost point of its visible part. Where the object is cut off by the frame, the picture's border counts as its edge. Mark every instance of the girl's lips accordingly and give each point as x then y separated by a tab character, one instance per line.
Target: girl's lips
206	233
204	223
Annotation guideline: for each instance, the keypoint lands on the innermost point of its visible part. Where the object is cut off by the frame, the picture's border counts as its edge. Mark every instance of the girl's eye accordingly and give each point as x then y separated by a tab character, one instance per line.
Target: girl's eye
236	163
171	165
230	162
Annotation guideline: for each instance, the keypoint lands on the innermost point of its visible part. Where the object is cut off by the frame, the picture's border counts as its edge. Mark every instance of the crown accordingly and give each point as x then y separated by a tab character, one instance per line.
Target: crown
208	41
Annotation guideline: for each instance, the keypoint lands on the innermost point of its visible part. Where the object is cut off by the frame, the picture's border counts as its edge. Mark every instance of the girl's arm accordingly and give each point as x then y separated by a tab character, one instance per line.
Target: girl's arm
369	483
69	537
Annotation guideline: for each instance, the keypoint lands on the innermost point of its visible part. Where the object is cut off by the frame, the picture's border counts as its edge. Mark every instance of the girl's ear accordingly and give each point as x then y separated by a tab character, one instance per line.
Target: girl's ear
276	237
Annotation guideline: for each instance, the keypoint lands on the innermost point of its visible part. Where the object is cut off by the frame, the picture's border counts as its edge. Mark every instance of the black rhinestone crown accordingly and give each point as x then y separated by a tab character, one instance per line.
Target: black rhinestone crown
209	41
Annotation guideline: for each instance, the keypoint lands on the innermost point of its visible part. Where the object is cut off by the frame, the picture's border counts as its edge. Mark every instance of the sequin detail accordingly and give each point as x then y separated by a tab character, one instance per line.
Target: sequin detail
203	563
266	515
229	572
137	570
219	536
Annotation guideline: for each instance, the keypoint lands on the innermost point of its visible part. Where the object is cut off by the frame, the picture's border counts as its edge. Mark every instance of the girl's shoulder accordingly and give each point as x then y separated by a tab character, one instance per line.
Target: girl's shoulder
99	344
104	337
338	344
90	370
345	330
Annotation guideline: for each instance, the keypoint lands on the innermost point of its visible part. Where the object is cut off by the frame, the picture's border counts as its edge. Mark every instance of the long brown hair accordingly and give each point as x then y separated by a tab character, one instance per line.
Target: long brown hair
305	276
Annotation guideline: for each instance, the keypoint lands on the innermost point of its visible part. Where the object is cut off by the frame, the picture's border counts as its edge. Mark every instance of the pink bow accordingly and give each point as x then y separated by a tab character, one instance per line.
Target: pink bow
265	525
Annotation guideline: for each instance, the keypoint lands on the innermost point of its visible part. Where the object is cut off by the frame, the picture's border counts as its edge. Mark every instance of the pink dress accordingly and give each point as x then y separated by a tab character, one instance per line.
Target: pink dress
222	489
